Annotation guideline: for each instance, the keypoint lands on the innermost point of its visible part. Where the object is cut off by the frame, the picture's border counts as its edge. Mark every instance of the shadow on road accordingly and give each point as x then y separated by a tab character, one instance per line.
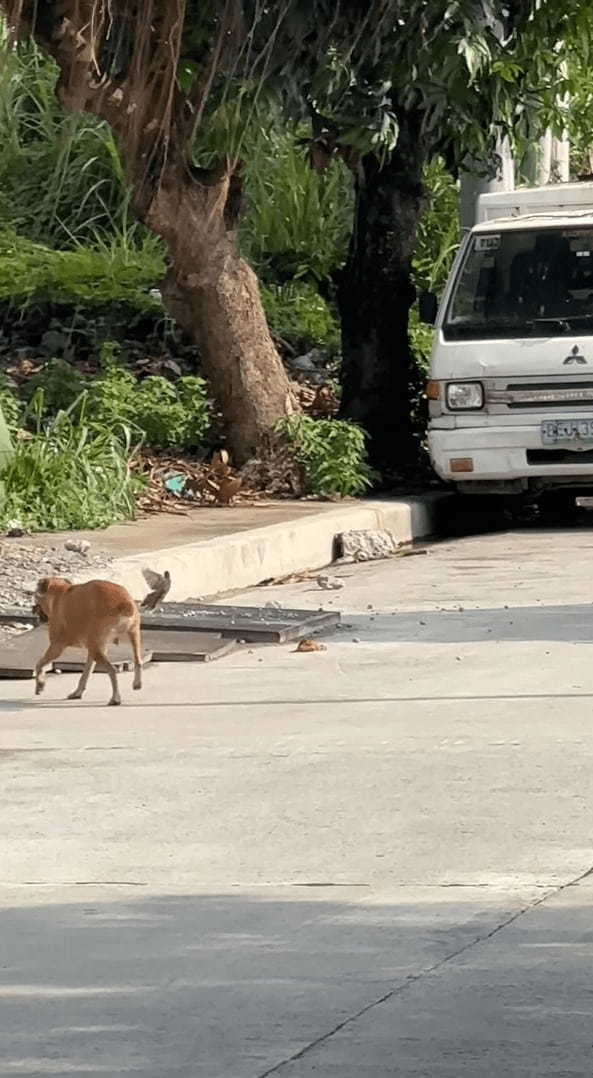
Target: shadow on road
227	985
483	515
520	623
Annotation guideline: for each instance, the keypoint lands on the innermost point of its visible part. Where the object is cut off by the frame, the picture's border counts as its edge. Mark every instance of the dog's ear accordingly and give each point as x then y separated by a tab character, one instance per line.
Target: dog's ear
42	586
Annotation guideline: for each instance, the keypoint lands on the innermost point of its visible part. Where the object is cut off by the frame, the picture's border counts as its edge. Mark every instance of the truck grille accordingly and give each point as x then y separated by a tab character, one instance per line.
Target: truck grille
543	394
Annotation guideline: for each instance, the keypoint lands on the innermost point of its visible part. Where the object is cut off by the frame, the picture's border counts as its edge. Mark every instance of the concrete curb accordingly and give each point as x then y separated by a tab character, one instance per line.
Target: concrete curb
244	559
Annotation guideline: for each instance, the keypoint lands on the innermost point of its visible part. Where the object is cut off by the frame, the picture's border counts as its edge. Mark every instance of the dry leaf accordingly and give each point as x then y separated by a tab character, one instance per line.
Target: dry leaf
310	645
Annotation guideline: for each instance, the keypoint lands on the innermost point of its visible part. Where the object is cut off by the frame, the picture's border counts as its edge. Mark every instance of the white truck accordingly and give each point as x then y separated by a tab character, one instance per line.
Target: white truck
511	373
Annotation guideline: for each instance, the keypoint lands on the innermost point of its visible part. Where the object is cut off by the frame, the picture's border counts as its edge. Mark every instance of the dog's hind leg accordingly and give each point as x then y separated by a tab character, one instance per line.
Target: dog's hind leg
134	638
84	677
51	653
100	657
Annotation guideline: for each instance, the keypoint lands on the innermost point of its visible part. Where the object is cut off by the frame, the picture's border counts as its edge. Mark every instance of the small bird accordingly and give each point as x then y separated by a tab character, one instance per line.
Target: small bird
159	583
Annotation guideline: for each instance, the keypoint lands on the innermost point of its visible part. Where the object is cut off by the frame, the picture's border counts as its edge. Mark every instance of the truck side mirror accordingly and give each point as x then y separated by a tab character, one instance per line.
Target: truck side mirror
427	308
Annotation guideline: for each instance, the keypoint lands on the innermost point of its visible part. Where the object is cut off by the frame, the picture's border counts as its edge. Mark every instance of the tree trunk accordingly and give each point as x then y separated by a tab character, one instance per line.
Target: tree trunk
214	296
221	310
375	294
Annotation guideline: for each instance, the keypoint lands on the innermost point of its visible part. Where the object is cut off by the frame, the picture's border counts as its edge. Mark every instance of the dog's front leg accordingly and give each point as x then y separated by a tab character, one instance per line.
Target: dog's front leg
52	652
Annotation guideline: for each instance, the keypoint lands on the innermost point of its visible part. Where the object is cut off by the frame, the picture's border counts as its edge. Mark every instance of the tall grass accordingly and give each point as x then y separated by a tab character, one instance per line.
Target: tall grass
68	475
107	273
298	221
61	180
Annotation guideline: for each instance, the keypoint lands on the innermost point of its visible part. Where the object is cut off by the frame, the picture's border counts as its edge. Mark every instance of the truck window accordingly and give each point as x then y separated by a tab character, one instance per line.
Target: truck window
524	283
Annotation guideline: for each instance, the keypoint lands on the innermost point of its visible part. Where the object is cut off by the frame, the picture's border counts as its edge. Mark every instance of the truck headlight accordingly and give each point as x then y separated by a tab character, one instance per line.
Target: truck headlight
464	396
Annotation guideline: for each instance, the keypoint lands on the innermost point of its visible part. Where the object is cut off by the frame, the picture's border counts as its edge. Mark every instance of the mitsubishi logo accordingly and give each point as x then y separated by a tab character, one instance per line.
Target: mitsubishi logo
574	357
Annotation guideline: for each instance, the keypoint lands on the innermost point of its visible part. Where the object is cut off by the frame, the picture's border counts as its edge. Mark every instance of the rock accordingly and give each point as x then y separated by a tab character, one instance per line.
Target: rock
170	366
78	546
365	545
14	529
54	342
306	363
329	583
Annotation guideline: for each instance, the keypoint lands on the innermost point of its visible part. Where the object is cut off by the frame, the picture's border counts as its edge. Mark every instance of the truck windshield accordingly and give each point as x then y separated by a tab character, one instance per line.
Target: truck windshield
524	283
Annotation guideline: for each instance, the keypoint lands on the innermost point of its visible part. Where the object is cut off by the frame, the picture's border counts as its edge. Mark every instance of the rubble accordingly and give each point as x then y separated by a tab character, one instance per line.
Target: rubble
329	583
366	545
23	563
79	546
369	545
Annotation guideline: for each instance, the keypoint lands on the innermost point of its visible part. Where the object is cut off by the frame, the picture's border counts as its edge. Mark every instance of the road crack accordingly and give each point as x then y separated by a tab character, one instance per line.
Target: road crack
414	978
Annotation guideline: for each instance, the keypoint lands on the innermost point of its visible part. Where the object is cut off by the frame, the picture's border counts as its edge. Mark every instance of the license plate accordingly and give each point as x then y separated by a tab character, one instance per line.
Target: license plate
566	430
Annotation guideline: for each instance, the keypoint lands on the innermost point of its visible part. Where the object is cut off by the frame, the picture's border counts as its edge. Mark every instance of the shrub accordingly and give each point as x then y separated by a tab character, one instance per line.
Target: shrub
110	397
162	413
193	394
60	382
159	413
166	414
172	414
331	452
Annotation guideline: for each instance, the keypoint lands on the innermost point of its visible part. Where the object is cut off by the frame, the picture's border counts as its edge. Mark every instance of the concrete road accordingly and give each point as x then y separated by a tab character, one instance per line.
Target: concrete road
372	860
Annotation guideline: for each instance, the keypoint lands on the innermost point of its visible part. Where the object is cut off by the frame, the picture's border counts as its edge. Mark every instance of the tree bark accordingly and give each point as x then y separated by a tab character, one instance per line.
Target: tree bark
375	294
213	294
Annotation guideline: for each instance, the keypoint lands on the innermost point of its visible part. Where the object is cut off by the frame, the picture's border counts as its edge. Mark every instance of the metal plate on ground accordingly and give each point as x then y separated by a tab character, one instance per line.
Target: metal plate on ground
250	623
19	655
73	660
15	615
170	646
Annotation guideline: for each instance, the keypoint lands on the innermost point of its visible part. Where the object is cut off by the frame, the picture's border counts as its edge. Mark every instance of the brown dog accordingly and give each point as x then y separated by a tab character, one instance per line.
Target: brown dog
89	616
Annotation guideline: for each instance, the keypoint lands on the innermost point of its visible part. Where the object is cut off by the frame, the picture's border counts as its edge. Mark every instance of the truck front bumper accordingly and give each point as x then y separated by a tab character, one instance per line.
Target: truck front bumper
507	453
